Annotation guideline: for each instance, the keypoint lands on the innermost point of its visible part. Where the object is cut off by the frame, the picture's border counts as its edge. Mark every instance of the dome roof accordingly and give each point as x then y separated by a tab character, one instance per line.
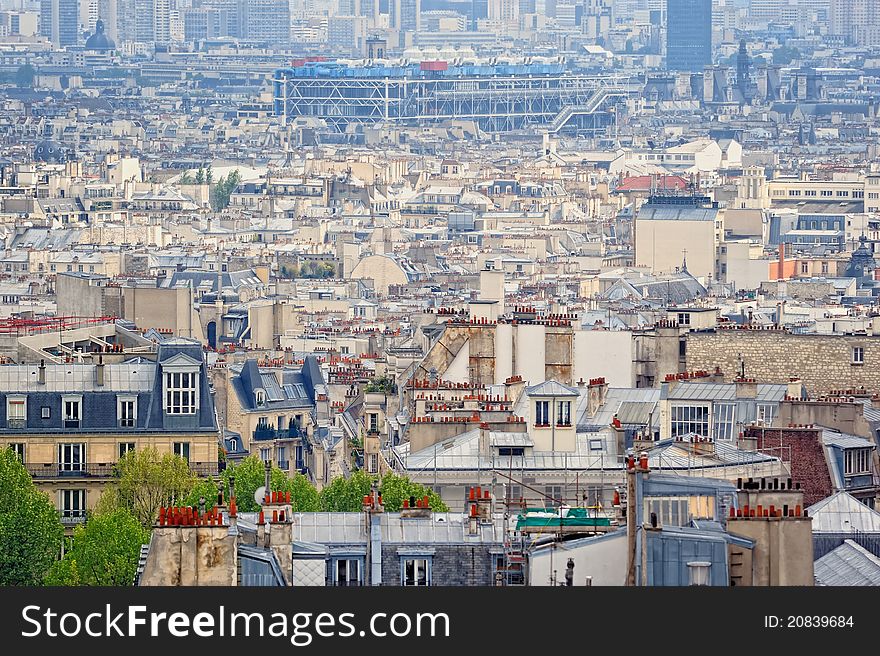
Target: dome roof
50	151
99	40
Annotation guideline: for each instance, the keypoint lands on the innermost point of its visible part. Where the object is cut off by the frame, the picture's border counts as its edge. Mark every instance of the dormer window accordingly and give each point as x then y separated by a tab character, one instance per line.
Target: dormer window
260	397
181	392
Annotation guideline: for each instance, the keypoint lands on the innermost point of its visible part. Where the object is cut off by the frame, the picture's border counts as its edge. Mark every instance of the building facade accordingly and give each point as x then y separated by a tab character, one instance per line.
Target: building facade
70	423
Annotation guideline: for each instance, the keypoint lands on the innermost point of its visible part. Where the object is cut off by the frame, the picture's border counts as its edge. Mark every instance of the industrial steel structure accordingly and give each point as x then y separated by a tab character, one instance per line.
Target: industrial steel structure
498	97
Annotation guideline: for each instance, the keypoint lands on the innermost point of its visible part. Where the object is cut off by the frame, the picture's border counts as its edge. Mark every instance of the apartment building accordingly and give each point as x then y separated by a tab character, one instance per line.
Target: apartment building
70	423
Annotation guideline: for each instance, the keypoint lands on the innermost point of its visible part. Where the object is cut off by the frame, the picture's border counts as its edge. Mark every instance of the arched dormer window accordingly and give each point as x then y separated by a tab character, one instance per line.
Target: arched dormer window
260	397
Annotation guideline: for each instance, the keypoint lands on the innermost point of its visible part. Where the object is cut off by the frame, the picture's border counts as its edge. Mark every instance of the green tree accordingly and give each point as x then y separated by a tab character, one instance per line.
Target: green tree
209	175
250	474
24	76
784	55
186	178
104	551
394	489
30	528
347	494
204	487
200	175
147	480
222	191
303	495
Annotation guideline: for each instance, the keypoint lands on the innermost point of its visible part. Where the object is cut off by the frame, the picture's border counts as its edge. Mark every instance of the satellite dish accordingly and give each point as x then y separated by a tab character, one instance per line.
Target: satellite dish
260	495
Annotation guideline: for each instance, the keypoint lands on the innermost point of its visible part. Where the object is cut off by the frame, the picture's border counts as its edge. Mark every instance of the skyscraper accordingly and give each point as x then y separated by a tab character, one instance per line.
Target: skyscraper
266	20
405	15
59	21
688	34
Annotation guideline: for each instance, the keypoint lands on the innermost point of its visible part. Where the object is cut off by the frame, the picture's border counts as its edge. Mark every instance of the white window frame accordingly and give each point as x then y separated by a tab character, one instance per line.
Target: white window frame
72	411
123	420
542	412
348	560
72	503
373	463
766	413
724	421
182	449
66	460
857	461
417	565
563	413
173	382
858	355
18	448
16	401
689	419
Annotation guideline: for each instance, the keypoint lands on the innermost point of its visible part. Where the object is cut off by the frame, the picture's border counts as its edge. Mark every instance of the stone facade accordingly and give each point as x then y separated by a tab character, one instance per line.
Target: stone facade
823	362
451	564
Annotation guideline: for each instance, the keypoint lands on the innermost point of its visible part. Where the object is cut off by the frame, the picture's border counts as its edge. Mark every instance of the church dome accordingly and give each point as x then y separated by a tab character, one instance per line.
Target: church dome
99	40
50	151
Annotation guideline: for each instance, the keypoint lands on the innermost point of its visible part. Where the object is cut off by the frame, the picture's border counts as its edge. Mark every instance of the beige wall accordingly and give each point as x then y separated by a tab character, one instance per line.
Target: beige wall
660	246
169	309
783	553
383	270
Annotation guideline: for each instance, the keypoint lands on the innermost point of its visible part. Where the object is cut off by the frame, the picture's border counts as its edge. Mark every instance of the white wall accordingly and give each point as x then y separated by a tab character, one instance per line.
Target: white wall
604	353
603	560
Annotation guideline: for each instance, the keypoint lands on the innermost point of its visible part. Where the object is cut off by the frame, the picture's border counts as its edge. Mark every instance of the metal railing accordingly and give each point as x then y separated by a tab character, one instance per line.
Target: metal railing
262	434
41	470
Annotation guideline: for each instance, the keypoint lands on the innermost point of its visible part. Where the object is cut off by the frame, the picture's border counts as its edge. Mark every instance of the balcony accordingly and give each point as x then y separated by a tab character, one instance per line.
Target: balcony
283	465
72	517
268	433
49	470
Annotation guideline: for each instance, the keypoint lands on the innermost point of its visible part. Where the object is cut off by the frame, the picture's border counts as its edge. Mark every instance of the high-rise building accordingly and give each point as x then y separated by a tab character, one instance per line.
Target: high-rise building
688	34
143	21
405	15
59	21
234	9
266	20
858	21
204	23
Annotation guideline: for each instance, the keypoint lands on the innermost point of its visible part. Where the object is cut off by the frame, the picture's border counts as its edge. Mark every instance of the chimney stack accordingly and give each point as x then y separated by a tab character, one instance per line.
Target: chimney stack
99	372
42	373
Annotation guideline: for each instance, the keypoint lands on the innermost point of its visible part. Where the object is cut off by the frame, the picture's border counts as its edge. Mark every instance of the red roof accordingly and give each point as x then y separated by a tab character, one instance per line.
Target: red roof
643	182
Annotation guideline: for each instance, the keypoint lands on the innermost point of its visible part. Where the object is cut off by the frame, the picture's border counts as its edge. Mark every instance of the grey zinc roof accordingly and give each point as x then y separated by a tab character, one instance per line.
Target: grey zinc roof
676	213
724	392
439	528
551	388
463	453
848	565
843	513
845	440
511	439
671	454
123	377
330	528
636	412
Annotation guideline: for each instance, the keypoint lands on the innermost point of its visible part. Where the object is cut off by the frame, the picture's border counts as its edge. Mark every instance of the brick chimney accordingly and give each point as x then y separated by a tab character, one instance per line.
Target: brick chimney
597	392
746	388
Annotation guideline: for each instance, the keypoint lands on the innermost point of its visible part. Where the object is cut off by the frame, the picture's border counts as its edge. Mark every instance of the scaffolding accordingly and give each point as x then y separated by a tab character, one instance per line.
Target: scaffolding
497	98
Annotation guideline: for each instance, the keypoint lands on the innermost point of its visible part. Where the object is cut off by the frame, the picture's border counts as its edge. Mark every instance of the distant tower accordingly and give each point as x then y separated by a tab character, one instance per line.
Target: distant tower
743	71
688	35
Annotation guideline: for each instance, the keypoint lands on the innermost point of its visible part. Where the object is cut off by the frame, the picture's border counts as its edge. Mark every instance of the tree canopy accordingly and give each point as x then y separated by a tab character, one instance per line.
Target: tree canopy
30	527
148	480
222	191
104	551
24	76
